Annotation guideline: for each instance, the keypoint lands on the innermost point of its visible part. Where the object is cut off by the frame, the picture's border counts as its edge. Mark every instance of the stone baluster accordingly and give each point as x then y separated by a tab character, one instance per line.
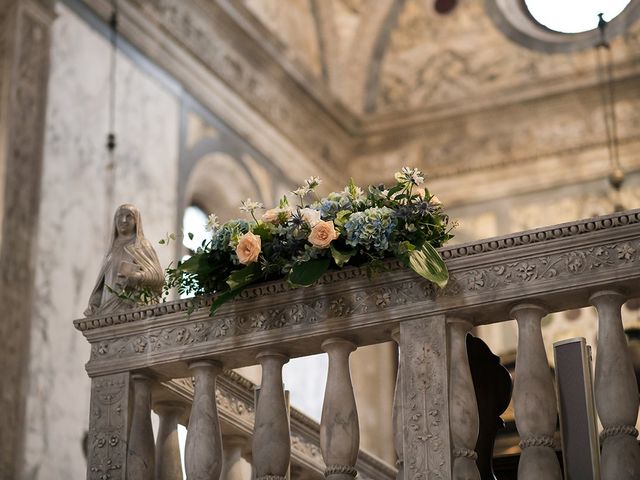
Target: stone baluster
339	428
616	391
534	398
203	455
234	467
141	448
463	408
168	463
271	439
398	420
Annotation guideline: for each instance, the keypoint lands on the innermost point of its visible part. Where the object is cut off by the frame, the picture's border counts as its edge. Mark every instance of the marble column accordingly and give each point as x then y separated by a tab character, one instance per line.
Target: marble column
234	467
534	398
168	462
203	455
616	391
398	420
24	70
141	448
463	408
271	439
339	429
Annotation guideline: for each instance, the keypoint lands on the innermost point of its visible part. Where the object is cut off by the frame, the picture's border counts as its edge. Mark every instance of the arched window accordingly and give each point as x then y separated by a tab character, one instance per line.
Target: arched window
194	223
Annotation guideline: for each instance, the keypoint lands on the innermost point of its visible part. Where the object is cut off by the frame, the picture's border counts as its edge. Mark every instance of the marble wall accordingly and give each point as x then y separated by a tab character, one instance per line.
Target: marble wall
75	216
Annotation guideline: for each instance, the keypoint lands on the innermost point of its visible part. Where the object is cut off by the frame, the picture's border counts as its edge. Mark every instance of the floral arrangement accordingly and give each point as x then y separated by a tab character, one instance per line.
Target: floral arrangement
301	241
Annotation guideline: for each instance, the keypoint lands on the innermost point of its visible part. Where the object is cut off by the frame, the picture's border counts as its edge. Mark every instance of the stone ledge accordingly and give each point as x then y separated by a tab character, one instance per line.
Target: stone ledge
559	267
572	230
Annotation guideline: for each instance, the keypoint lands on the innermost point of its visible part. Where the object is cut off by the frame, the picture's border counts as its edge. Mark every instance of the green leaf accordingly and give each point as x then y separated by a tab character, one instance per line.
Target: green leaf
284	202
341	257
427	262
404	248
263	231
192	264
190	235
394	190
243	277
352	188
341	217
307	273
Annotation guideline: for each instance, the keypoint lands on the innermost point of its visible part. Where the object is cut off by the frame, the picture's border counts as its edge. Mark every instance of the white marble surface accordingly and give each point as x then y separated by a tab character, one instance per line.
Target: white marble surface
74	222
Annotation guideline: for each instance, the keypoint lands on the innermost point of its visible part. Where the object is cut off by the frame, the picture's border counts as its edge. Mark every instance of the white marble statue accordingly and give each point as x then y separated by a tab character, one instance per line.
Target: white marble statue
130	265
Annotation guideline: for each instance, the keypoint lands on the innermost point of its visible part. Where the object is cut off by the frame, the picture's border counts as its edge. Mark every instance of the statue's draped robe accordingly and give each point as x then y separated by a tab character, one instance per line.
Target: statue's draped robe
132	250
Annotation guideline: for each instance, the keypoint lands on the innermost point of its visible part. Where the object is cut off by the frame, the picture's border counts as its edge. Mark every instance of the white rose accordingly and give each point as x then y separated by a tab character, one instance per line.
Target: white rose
311	216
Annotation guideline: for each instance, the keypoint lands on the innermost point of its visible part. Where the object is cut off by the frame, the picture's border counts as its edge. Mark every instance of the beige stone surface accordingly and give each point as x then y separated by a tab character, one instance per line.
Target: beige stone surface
510	139
74	224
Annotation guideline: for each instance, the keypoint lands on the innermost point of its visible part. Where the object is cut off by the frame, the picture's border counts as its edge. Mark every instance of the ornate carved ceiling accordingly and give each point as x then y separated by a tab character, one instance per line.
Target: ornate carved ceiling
392	59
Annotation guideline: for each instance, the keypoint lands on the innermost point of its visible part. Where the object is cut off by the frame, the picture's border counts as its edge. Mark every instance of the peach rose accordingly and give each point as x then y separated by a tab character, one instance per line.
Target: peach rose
322	234
273	215
248	249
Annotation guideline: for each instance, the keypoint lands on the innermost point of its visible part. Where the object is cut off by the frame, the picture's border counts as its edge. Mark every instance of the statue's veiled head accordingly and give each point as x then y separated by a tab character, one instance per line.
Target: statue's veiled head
127	222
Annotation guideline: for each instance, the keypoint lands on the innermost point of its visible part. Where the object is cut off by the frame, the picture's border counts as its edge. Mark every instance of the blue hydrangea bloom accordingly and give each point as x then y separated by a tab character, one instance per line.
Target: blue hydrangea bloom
371	228
222	237
331	205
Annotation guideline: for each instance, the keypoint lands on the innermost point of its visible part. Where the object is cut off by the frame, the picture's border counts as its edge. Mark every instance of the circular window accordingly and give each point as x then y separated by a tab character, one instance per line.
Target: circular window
574	16
561	26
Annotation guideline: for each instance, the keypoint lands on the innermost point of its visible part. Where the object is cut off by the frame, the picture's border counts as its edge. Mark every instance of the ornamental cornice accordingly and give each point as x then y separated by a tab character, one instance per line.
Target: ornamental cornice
559	266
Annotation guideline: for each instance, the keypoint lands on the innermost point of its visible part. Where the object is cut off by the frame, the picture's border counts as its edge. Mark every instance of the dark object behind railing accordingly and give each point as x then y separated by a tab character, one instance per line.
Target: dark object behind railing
492	384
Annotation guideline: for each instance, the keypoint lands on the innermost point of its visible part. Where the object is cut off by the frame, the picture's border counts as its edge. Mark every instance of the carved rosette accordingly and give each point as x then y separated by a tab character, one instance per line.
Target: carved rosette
107	437
425	394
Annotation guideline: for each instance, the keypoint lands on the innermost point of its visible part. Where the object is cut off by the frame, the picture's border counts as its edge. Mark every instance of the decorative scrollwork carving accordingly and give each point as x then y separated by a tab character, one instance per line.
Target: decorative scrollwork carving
107	428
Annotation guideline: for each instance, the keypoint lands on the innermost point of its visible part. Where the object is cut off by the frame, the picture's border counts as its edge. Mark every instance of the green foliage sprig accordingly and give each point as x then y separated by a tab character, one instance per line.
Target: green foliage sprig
301	242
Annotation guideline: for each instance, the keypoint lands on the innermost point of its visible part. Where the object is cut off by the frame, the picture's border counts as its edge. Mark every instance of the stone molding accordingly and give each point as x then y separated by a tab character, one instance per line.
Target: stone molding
308	113
239	72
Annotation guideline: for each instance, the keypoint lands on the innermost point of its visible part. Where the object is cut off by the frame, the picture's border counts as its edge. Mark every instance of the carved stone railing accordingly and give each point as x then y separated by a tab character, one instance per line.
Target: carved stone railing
236	411
522	276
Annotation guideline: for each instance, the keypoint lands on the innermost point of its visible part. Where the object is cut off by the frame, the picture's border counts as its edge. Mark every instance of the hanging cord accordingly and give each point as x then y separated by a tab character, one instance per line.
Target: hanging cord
113	23
605	77
110	173
605	73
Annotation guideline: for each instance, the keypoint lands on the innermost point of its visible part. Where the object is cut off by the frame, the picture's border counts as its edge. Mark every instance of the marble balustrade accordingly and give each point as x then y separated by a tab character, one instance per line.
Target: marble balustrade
523	276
